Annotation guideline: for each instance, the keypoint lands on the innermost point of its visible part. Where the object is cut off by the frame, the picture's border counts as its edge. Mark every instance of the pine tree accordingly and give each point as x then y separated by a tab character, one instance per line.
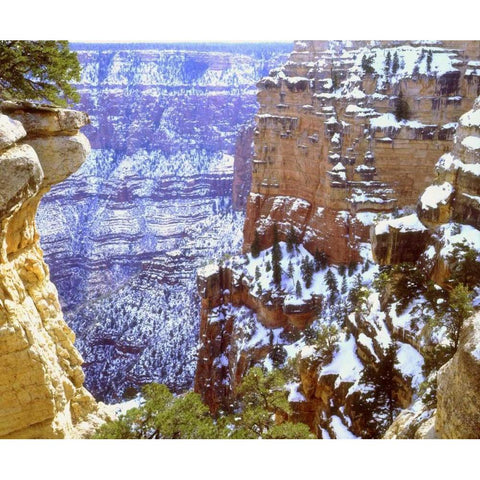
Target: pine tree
291	239
331	282
429	60
367	64
255	247
276	258
388	61
298	289
290	269
257	273
307	269
321	260
343	290
395	63
402	110
38	70
379	407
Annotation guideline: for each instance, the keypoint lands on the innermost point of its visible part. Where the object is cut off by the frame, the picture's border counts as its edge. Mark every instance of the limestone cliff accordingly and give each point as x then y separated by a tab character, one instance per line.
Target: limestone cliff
327	134
41	379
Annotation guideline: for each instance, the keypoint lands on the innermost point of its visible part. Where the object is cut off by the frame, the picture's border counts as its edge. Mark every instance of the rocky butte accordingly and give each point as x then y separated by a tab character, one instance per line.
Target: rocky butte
348	133
41	377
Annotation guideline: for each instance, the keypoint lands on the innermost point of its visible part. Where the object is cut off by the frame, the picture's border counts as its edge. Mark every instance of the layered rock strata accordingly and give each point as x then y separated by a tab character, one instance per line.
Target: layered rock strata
41	378
447	212
329	151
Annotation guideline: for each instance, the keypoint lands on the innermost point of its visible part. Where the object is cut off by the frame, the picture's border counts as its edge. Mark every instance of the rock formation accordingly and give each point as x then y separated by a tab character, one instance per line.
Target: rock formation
327	134
41	378
330	156
152	203
448	211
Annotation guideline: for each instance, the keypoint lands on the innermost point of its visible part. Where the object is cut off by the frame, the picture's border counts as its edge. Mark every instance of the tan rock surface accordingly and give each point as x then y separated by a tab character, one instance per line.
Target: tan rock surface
326	135
458	393
41	379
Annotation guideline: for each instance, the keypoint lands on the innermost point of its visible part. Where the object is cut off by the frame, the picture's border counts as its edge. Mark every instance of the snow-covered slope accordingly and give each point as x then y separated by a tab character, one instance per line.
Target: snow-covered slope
125	235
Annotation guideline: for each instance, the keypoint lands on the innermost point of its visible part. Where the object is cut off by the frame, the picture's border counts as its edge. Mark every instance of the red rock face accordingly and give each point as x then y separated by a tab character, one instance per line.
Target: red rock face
328	146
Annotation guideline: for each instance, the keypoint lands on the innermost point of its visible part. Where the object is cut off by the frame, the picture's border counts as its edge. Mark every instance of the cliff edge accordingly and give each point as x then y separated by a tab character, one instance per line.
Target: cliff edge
41	378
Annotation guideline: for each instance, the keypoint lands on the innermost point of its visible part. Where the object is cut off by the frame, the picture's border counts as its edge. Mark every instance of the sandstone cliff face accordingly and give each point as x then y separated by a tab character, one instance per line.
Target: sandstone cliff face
41	379
458	408
448	211
327	135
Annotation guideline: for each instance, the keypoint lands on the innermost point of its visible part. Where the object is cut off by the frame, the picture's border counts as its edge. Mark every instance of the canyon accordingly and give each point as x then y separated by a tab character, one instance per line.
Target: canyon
125	234
334	163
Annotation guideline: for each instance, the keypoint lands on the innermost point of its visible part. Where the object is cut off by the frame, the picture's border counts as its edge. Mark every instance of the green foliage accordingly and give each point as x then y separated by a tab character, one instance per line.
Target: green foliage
289	430
379	405
367	64
292	239
388	62
290	269
278	355
164	416
465	265
257	273
321	260
332	283
427	391
352	266
453	313
402	109
298	289
255	247
307	268
326	341
276	258
395	63
342	269
38	70
429	60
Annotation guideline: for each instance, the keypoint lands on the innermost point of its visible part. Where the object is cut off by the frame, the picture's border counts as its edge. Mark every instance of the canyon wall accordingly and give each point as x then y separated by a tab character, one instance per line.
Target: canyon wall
41	378
327	134
125	235
330	160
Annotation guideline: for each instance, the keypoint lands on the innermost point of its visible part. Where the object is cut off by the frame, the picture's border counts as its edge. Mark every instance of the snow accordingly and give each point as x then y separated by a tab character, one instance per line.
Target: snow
410	363
471	142
367	342
338	167
294	395
435	195
340	430
471	118
208	270
366	218
410	223
345	362
468	235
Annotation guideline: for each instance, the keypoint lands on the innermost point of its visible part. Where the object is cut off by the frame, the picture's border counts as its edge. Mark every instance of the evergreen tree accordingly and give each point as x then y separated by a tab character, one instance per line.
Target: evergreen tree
331	282
367	64
278	355
352	266
395	63
255	247
257	273
307	269
38	70
454	313
465	265
380	405
402	109
343	289
291	239
388	61
429	60
290	269
276	258
321	260
298	289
